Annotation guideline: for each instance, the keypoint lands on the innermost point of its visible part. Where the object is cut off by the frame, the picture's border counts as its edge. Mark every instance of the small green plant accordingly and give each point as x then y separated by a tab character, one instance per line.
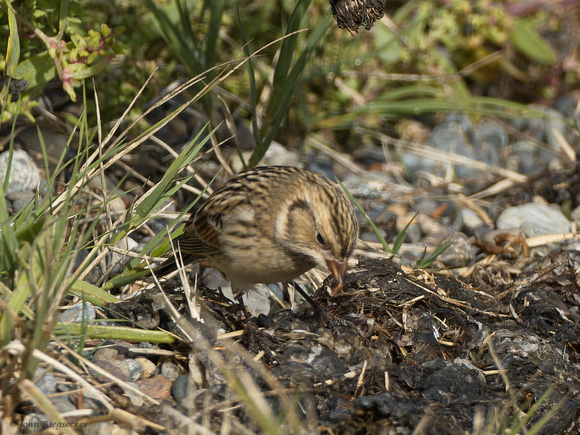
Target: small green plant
198	52
39	245
49	42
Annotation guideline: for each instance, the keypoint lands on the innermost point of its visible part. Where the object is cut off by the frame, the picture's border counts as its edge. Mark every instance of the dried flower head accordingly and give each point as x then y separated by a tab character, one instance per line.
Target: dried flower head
351	14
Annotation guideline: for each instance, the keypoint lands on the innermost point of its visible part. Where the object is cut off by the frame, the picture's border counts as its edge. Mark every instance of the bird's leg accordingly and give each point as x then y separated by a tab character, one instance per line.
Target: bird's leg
319	309
255	336
239	296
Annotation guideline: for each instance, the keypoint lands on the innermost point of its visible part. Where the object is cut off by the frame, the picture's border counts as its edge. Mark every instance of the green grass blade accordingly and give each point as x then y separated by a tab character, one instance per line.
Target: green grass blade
401	235
426	262
113	333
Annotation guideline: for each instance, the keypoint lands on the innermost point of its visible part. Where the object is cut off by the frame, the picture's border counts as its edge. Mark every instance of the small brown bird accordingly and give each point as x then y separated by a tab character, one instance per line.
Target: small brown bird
271	224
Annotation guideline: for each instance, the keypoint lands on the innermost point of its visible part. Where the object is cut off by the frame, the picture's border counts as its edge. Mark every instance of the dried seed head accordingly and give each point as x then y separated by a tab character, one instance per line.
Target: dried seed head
351	14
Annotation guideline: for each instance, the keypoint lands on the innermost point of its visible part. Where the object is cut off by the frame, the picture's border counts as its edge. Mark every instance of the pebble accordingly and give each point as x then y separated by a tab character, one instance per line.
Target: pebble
534	219
170	370
368	186
81	312
135	398
260	301
54	144
118	260
522	158
434	229
105	354
134	369
455	136
468	221
459	254
24	174
90	403
47	384
493	133
555	128
157	387
17	201
147	365
180	388
109	367
63	405
107	427
95	273
125	369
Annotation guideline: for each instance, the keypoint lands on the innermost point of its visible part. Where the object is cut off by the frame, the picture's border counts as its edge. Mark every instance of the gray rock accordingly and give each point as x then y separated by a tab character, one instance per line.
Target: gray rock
81	312
63	404
170	370
258	301
493	133
459	254
555	126
95	274
47	384
534	220
448	138
55	145
24	175
147	366
369	185
135	369
17	201
124	368
469	220
118	260
89	403
523	157
575	215
180	388
492	139
100	428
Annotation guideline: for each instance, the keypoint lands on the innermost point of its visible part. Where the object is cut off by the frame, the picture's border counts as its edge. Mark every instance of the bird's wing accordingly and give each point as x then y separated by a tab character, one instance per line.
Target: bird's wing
207	224
195	243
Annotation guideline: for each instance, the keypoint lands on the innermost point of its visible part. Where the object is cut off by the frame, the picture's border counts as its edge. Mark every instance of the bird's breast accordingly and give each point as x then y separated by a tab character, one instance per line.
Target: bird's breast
257	266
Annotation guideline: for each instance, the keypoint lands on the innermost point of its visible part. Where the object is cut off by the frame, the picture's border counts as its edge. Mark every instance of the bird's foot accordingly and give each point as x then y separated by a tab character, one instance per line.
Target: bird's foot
259	340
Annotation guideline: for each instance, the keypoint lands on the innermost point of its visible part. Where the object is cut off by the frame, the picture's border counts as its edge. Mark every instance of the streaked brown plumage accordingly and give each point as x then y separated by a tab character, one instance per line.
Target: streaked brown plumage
271	224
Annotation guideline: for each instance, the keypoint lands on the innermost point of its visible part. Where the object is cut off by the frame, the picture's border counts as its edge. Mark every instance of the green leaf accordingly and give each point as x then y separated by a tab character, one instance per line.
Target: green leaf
13	50
401	235
525	39
426	262
91	71
37	71
185	157
90	293
286	79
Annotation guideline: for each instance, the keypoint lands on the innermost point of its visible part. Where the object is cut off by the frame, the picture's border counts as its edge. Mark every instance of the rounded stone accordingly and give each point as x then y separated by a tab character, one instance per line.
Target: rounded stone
534	220
24	174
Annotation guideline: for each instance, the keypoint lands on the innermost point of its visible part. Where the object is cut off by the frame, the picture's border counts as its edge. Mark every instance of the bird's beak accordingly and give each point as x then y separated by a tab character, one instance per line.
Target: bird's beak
338	270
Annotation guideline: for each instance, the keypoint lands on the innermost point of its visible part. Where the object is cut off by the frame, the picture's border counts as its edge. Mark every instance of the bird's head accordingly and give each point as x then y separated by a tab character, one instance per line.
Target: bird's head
319	224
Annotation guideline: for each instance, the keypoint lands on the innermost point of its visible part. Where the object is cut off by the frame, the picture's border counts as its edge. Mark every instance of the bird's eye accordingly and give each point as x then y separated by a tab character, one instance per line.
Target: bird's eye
320	239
